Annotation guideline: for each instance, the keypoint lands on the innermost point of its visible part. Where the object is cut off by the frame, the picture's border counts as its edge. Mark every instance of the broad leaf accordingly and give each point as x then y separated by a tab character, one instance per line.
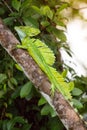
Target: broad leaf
18	67
2	77
37	9
16	4
47	109
2	93
26	89
62	7
42	101
45	10
30	21
77	92
13	81
45	23
58	33
77	103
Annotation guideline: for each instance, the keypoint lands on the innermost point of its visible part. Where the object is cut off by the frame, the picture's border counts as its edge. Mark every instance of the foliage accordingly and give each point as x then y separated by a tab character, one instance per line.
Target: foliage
21	106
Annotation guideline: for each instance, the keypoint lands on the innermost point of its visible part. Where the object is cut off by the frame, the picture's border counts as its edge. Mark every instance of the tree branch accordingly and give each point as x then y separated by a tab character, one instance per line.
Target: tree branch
66	113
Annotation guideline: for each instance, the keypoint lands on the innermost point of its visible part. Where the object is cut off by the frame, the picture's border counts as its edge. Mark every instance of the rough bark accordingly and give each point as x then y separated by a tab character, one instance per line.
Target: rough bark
66	113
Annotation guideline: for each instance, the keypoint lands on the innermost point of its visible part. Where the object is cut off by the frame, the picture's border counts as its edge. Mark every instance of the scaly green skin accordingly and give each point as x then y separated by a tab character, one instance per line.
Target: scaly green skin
37	56
30	44
41	62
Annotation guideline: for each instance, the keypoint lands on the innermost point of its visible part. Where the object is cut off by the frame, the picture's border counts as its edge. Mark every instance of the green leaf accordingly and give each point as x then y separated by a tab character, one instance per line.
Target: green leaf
4	87
77	92
12	122
8	115
59	23
45	10
26	4
42	101
58	33
10	85
18	67
26	89
2	93
9	21
55	124
26	126
13	81
16	93
37	9
62	7
84	98
2	11
77	103
5	122
47	109
52	112
14	15
45	23
30	21
16	4
2	78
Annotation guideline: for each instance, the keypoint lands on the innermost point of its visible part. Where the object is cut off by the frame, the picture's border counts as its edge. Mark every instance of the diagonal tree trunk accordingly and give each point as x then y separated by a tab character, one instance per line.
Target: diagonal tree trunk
66	113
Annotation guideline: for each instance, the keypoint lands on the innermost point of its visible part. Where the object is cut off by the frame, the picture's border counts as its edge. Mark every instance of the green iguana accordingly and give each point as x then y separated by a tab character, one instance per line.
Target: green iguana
44	57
